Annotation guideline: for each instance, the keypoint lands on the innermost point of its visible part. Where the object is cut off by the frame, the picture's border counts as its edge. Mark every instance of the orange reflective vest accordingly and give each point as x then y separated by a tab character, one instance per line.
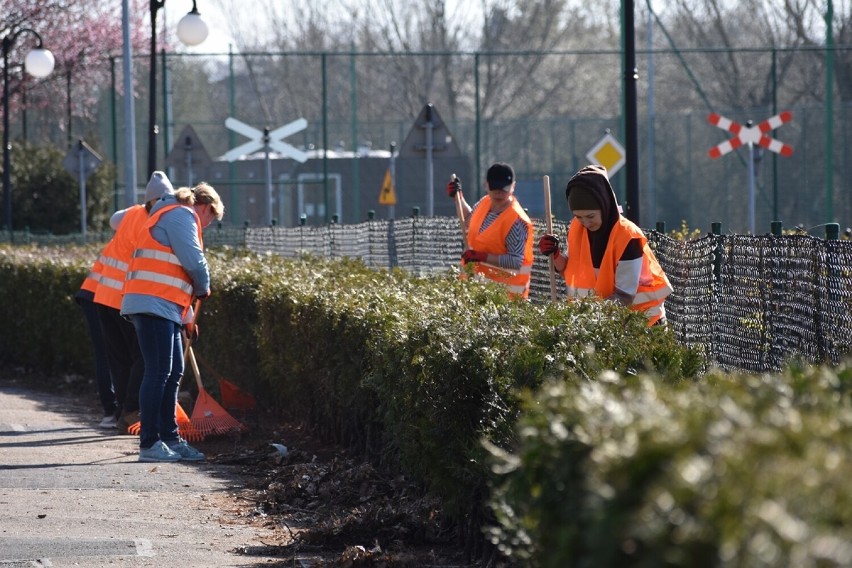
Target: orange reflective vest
493	241
90	282
581	280
115	257
155	270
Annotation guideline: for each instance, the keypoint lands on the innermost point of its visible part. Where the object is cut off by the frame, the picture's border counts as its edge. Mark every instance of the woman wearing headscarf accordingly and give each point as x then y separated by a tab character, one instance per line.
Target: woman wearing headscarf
607	254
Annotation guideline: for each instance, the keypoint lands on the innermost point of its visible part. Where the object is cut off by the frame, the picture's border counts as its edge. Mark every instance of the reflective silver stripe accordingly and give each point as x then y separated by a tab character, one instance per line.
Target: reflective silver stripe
525	270
655	310
181	285
156	255
94	276
494	267
114	263
653	295
112	283
516	289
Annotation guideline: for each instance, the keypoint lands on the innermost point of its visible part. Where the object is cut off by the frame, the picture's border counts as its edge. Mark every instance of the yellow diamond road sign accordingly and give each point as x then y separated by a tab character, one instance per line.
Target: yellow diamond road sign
607	153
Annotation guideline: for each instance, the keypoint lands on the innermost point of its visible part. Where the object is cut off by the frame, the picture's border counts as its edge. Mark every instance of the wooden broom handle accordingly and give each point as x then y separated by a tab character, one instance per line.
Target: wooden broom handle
548	216
195	369
460	214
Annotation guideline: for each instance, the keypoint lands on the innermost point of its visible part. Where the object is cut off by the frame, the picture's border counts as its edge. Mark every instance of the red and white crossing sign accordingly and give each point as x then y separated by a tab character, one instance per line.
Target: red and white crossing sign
750	134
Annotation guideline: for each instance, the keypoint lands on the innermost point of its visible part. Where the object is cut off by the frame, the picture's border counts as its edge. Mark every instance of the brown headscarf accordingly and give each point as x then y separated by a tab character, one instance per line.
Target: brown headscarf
593	180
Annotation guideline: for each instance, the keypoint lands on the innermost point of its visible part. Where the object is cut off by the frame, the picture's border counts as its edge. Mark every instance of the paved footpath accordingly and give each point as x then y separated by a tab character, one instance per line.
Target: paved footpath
74	495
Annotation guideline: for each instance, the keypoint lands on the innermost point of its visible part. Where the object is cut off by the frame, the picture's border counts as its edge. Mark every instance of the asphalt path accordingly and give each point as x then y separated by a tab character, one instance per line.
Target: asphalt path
72	494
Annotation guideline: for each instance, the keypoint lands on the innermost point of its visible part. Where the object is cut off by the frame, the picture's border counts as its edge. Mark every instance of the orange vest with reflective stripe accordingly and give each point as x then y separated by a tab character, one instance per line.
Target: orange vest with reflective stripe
90	283
580	275
493	241
155	270
115	257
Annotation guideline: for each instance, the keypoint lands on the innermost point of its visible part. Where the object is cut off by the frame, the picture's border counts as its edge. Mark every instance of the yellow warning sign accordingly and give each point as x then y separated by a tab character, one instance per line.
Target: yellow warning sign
387	196
608	153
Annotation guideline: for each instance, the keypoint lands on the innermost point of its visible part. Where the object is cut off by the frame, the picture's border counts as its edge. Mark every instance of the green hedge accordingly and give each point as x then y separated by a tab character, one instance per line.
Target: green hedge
42	326
415	372
735	470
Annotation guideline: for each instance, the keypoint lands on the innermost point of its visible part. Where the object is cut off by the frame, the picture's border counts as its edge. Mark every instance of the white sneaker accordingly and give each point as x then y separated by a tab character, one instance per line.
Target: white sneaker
109	422
159	452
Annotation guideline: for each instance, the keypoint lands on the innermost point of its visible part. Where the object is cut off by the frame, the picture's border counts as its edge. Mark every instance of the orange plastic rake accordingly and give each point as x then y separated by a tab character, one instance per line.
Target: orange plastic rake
230	395
185	428
208	416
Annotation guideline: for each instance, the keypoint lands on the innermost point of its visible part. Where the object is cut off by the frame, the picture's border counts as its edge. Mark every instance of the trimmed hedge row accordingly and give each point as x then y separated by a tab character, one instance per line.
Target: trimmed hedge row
735	470
415	372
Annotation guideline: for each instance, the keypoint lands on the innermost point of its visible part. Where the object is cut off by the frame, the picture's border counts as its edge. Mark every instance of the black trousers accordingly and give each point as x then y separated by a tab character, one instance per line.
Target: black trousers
124	357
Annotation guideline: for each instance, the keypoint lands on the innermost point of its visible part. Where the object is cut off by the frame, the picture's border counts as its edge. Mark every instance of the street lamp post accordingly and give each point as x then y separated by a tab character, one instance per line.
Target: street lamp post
191	30
39	63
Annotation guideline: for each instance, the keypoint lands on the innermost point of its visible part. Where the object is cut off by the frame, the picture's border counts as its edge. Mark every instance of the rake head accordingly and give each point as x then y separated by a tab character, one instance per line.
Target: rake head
209	418
186	429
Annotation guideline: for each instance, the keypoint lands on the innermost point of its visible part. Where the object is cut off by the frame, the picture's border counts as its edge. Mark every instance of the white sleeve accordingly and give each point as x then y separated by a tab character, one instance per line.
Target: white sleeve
627	275
116	218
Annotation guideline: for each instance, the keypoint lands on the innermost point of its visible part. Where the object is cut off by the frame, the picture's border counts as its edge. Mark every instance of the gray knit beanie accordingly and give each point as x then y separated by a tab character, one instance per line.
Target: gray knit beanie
158	185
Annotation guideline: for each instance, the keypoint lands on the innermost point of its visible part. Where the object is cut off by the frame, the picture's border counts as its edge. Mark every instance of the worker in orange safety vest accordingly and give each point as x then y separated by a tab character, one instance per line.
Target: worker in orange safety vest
124	356
499	232
607	254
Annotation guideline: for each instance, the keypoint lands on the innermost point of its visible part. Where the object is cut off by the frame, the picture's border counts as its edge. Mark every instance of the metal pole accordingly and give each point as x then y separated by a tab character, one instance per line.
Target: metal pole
430	173
478	121
829	113
268	165
751	185
325	135
129	110
652	172
113	121
8	42
631	77
154	6
82	173
7	171
356	181
188	147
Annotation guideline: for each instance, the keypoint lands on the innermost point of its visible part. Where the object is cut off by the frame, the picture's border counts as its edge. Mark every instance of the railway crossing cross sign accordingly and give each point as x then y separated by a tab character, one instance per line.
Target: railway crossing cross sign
267	140
270	139
750	134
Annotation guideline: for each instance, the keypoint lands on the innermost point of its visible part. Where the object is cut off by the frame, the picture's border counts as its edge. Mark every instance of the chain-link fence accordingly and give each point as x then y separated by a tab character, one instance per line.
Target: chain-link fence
541	111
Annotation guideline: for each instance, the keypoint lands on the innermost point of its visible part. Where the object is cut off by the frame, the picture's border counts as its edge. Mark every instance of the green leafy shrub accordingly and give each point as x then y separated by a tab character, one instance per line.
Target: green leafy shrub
735	470
43	327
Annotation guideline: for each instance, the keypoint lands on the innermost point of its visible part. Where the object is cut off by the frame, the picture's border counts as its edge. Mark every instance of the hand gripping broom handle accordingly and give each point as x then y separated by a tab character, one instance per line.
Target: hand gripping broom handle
460	213
548	215
187	352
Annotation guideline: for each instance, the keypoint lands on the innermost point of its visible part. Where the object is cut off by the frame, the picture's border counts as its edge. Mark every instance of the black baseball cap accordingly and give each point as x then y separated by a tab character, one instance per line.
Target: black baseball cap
500	176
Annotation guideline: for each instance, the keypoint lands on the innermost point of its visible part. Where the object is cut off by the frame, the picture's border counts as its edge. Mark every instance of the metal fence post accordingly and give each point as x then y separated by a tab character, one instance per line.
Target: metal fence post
832	231
716	229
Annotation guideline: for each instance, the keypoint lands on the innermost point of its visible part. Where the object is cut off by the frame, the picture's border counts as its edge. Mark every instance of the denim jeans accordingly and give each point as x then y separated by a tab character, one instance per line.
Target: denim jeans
162	353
